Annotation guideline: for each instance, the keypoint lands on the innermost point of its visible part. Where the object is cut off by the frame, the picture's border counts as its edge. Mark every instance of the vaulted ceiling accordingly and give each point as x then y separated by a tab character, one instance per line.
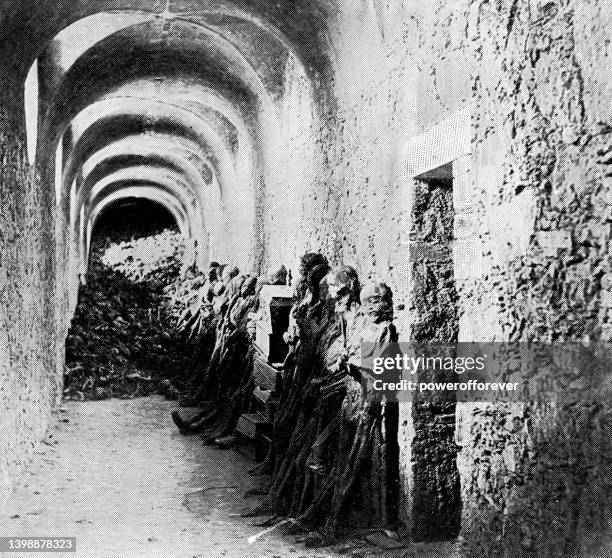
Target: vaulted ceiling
169	100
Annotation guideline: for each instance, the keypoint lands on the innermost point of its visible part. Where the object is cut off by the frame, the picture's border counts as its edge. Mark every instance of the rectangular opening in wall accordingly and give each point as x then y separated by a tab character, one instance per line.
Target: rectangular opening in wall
431	240
436	506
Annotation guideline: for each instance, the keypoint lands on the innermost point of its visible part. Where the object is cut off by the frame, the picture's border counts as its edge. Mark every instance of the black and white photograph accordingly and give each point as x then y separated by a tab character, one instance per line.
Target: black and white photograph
306	278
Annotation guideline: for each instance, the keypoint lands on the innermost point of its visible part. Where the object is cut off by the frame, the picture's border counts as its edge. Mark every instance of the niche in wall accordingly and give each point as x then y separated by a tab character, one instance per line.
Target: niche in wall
440	253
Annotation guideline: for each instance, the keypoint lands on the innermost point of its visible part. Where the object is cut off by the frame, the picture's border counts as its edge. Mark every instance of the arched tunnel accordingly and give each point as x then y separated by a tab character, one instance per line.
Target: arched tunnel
450	160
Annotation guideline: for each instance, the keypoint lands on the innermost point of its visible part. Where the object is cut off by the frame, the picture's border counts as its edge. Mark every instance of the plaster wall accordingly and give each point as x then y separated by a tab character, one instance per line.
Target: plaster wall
531	241
532	222
29	383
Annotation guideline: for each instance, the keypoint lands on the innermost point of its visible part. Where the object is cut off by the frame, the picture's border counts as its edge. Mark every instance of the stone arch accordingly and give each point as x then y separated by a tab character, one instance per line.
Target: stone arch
167	180
291	26
184	213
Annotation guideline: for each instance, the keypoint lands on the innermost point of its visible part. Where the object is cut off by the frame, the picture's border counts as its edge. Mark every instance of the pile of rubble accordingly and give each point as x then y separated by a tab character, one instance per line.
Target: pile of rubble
122	342
152	258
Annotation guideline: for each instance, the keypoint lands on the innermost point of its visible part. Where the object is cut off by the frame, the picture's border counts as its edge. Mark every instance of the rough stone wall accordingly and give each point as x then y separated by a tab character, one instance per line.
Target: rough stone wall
28	351
536	478
341	150
534	75
536	213
435	507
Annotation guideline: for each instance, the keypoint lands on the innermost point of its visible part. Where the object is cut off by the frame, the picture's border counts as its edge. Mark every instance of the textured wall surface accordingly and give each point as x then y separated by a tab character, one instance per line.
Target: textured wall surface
434	478
29	383
514	97
532	225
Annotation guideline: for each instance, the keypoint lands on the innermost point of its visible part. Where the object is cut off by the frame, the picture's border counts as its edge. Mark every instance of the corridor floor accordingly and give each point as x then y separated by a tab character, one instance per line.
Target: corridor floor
118	476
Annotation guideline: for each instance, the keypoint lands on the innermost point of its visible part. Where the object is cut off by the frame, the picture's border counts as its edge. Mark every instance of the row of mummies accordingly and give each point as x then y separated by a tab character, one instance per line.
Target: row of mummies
333	460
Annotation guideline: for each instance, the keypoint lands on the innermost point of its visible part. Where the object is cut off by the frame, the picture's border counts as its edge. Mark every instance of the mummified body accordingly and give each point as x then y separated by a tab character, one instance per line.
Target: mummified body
362	488
334	454
228	365
308	319
225	381
234	371
340	466
324	393
296	426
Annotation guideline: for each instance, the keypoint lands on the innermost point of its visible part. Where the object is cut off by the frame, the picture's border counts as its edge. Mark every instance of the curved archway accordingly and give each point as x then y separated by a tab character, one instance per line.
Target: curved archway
237	184
109	120
291	28
129	219
165	180
131	114
160	151
130	53
149	192
157	192
192	43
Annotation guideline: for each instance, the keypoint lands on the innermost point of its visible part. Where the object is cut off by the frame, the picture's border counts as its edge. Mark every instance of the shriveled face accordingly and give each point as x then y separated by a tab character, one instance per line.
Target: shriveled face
236	283
324	289
299	288
278	276
343	282
377	301
229	273
334	287
219	288
376	307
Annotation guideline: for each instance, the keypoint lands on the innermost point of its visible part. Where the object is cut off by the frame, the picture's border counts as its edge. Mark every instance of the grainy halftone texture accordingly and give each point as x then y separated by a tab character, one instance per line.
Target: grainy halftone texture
363	130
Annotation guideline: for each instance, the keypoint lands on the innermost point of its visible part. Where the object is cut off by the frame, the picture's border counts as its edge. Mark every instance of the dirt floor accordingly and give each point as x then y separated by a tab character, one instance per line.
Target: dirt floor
117	475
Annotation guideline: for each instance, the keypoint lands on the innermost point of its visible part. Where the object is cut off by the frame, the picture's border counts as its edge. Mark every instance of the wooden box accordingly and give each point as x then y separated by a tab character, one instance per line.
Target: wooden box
265	376
257	428
251	425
